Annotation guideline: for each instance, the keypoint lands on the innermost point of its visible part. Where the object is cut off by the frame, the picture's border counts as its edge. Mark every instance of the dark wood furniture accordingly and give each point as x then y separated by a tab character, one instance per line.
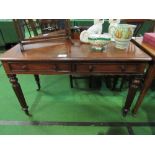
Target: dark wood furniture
150	74
64	57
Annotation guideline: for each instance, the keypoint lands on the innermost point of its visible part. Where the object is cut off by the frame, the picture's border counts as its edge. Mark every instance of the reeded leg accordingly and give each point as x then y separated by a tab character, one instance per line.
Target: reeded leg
131	94
18	91
147	83
37	79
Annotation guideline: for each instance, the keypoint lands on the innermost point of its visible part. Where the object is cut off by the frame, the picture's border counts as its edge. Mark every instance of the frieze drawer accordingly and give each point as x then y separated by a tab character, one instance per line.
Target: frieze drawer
42	67
108	68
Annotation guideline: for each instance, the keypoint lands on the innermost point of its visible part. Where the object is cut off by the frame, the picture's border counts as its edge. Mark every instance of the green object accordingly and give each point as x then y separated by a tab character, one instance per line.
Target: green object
2	41
8	30
147	25
82	22
105	26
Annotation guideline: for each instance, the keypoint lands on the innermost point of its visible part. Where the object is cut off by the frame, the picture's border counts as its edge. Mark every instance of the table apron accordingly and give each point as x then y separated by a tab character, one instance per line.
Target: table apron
21	67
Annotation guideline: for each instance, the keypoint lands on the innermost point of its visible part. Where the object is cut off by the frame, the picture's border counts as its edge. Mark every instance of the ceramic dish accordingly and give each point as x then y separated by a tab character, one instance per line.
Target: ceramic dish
98	41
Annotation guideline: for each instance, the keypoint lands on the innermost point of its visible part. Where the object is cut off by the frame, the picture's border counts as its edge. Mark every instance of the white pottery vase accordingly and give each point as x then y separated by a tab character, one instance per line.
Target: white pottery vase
122	34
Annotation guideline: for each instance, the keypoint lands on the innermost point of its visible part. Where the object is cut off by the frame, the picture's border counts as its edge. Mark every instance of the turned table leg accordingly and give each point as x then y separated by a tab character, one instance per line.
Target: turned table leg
147	83
131	94
18	91
37	79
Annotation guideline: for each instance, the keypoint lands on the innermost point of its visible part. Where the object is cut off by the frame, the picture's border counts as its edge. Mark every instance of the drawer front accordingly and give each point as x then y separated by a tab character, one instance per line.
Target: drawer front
109	68
39	67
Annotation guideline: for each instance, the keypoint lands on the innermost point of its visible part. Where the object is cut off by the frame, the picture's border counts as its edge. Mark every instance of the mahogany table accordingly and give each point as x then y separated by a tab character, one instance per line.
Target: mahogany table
150	75
74	58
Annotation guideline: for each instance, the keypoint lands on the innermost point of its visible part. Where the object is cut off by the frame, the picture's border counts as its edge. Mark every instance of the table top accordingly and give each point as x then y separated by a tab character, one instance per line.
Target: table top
77	51
144	46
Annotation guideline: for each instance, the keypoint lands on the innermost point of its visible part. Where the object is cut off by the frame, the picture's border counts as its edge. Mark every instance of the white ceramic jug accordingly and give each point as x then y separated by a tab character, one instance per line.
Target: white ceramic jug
122	34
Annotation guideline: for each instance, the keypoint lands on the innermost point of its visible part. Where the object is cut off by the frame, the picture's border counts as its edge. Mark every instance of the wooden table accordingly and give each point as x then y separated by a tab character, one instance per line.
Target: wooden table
74	58
150	75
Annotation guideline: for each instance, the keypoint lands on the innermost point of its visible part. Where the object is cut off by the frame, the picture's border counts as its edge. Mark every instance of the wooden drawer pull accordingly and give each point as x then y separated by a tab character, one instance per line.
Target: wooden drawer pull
122	68
56	67
24	67
91	68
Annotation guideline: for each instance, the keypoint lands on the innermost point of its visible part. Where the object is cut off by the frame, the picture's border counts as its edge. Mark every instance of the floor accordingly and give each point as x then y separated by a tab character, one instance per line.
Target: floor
59	110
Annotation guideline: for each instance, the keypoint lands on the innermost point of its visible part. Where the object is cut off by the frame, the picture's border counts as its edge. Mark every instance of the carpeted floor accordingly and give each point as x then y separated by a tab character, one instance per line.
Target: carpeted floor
58	109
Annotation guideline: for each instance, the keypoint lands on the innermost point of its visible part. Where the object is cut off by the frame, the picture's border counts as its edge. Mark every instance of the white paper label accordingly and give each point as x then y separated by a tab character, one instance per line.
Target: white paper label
62	55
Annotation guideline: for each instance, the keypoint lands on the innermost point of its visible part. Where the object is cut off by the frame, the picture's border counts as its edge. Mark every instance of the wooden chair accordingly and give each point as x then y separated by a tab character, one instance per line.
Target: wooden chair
57	30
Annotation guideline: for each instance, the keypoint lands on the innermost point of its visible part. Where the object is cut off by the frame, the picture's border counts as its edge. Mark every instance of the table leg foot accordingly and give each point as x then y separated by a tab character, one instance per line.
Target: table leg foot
38	89
27	112
125	112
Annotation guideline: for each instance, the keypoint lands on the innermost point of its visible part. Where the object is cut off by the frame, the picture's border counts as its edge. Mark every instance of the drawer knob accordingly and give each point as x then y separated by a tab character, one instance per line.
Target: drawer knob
56	67
91	68
122	68
24	67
